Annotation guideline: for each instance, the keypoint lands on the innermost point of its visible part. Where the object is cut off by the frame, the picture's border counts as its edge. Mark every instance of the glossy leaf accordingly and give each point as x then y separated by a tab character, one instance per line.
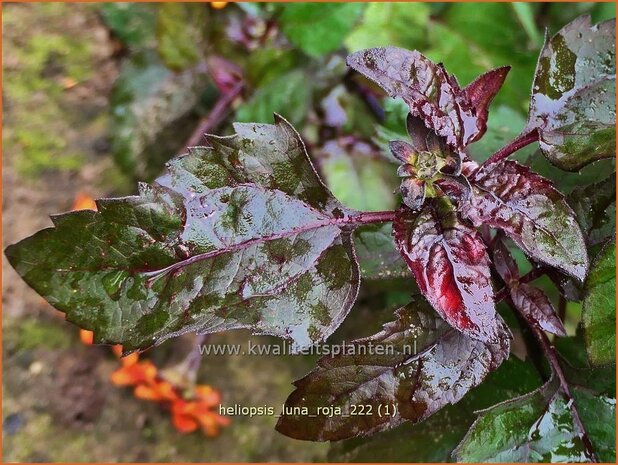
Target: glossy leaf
451	267
538	427
318	29
414	367
574	94
458	115
531	212
599	307
240	235
148	102
443	430
529	300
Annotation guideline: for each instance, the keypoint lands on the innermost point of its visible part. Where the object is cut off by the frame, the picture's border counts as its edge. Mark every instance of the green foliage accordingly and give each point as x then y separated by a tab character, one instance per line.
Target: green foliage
181	33
132	23
319	28
599	307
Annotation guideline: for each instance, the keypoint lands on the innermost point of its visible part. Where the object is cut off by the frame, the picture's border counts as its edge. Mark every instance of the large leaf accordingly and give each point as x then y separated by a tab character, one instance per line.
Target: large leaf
529	300
530	211
408	371
539	427
451	267
573	101
147	101
458	115
318	29
446	428
599	307
242	235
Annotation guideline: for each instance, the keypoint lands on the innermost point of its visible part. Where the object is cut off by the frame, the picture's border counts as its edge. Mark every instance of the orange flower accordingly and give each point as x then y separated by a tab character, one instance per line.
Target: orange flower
132	373
218	5
188	415
157	391
87	337
84	202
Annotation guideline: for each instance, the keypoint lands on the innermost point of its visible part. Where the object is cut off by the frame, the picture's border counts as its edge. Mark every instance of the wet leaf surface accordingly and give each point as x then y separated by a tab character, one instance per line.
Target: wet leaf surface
443	430
528	299
415	366
451	267
376	253
531	212
458	115
574	94
540	429
595	207
599	307
242	235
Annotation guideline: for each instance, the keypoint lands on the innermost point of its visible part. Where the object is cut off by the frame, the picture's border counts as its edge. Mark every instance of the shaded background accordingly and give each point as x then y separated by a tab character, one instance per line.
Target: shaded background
97	96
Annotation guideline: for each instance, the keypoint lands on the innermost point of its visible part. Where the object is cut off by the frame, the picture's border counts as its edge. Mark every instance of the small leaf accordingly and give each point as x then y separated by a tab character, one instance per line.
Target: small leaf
599	307
318	29
451	267
574	94
414	367
531	212
483	89
537	427
529	300
430	92
240	235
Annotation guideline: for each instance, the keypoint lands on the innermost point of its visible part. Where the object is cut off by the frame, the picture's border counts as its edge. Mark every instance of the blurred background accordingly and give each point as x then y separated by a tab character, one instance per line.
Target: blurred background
99	96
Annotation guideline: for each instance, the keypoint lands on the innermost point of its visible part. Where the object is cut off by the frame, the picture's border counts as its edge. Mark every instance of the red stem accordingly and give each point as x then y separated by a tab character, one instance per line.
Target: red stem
519	142
217	114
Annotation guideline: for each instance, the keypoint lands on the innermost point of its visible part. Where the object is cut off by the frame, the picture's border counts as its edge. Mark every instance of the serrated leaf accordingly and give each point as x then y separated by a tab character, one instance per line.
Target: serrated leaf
415	366
451	267
148	100
531	212
573	102
539	427
289	93
181	31
376	253
383	24
318	29
240	235
531	301
599	307
430	92
443	430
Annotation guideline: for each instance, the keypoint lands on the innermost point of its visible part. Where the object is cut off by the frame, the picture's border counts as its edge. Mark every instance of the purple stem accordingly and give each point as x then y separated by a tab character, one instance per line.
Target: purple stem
519	142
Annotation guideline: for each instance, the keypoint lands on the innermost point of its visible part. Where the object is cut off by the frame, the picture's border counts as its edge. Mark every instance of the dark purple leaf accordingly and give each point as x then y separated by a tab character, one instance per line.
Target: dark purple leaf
530	211
574	94
240	235
449	262
432	94
529	300
595	207
408	371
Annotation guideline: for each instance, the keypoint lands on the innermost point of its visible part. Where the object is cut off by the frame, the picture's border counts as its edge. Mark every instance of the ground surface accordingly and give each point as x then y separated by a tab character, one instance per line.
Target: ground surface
58	402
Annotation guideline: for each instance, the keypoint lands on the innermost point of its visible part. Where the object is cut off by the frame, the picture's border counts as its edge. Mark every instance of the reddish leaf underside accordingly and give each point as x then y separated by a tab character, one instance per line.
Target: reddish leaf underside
449	262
